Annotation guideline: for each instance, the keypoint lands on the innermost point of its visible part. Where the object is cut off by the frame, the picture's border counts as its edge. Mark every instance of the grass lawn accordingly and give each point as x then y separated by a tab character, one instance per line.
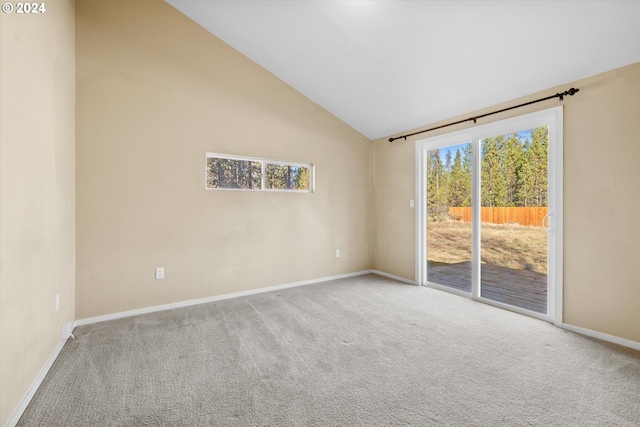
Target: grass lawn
504	245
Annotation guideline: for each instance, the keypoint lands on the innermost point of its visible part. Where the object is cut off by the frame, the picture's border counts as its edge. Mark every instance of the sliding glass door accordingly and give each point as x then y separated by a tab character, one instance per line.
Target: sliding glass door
514	204
449	231
489	209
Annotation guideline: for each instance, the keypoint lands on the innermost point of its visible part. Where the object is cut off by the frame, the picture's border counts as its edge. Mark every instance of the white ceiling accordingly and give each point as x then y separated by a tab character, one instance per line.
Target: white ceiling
386	67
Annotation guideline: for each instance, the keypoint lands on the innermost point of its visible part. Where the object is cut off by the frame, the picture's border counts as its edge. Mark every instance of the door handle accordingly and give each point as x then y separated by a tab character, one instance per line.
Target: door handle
549	227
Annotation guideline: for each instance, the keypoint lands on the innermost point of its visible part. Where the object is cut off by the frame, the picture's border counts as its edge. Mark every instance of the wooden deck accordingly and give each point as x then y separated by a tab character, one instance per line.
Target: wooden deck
519	288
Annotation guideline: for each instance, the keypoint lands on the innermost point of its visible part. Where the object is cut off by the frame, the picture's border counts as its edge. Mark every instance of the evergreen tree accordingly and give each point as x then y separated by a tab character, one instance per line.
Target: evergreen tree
446	182
511	154
532	175
540	159
447	161
459	183
437	206
494	189
467	165
513	173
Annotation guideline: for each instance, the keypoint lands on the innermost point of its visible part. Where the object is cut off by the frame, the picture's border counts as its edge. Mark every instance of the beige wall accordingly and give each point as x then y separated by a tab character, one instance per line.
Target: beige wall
155	92
36	193
601	200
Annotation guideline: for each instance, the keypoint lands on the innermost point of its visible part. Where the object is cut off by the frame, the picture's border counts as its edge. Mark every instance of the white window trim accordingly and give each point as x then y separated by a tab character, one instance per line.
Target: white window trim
263	161
553	118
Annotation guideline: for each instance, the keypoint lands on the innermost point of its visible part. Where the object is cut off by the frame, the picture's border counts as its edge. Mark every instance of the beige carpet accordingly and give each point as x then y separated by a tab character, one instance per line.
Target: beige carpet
364	351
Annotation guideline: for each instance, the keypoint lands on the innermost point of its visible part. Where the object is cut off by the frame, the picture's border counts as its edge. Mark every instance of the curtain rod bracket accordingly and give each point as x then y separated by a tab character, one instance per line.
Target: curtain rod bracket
569	92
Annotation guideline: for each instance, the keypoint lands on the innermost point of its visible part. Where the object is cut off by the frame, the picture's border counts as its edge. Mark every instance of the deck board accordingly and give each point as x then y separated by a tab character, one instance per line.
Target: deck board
520	288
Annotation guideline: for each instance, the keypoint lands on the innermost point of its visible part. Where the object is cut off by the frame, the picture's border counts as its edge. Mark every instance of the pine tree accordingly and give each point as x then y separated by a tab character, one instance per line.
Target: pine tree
494	189
437	206
532	174
459	183
511	154
540	160
467	165
446	183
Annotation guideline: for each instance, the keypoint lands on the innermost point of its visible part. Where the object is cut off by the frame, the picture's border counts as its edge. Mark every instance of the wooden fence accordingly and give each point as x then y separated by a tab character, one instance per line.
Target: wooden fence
503	215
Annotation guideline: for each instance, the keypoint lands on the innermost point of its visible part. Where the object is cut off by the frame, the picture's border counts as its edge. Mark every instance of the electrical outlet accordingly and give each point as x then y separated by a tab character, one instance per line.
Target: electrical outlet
57	302
159	272
337	253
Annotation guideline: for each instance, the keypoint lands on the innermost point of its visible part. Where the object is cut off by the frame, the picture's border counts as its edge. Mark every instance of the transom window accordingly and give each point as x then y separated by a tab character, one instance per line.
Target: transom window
228	172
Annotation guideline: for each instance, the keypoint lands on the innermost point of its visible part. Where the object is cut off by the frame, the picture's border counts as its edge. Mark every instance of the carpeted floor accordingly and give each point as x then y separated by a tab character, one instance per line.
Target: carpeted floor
364	351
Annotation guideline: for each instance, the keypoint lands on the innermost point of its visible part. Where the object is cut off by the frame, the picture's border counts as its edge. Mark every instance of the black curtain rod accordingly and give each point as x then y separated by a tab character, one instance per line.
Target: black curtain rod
569	92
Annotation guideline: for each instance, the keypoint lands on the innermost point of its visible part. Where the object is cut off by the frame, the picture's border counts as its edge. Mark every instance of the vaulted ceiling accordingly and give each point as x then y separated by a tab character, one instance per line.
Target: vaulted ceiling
385	67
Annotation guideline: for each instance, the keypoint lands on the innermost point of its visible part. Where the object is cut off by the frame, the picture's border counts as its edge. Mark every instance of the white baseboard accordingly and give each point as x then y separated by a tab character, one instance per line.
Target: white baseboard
393	276
601	336
36	383
66	330
187	303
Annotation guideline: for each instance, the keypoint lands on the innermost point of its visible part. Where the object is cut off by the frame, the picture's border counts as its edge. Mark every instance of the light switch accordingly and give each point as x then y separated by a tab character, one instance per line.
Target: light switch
412	203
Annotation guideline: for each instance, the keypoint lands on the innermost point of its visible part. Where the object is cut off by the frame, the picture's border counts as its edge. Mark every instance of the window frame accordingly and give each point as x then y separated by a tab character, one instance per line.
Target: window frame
263	162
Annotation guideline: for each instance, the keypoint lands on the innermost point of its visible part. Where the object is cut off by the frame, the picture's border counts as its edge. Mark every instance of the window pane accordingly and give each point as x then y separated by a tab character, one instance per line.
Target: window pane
286	177
234	174
449	228
514	189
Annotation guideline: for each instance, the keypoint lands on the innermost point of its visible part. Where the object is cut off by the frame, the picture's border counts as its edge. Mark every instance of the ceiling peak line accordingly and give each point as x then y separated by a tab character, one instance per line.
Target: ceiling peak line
561	96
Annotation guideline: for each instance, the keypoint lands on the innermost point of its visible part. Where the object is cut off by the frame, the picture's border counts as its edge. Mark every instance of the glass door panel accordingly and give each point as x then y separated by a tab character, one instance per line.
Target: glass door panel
514	203
449	228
